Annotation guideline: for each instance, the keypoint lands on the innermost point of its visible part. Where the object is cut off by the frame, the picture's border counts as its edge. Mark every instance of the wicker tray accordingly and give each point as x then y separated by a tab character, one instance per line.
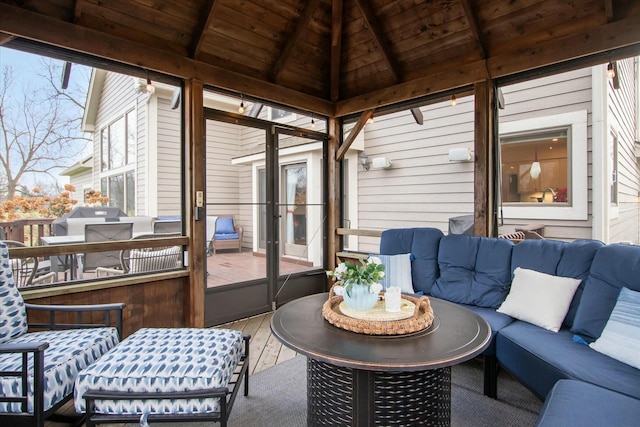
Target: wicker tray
421	318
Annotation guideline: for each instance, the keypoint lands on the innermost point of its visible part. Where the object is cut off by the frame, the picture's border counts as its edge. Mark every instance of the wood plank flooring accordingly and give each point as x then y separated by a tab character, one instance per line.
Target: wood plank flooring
265	351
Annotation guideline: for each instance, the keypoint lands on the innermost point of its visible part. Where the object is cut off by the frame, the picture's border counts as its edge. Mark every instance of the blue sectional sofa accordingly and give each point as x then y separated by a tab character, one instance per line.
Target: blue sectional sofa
477	272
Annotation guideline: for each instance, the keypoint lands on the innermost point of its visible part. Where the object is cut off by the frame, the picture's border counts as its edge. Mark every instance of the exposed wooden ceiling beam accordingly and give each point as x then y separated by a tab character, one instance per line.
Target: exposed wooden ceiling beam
357	128
34	26
294	39
77	10
336	48
5	38
471	15
618	34
205	21
379	38
608	9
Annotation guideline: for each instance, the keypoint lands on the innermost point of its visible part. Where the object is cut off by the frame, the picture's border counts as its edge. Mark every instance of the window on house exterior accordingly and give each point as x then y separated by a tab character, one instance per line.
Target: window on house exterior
118	144
535	167
613	169
562	167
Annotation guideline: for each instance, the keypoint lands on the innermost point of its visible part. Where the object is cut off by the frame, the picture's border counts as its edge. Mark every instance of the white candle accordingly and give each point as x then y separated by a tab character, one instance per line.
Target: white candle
392	298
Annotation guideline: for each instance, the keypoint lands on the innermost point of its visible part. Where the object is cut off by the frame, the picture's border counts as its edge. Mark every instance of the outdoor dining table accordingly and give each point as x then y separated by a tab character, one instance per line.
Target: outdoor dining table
72	259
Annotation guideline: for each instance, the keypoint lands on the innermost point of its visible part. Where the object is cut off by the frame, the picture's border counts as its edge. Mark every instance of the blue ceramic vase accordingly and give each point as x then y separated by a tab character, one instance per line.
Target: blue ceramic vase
357	296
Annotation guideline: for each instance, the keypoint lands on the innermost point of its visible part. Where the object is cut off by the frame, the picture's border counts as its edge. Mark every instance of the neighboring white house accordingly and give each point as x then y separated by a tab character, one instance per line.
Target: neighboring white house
581	130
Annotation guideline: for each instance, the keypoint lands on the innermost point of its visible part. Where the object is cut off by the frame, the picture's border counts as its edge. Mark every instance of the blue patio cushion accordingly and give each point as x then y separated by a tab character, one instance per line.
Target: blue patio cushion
224	225
539	358
496	320
576	260
614	267
163	360
539	255
227	236
423	244
473	270
576	403
69	352
13	316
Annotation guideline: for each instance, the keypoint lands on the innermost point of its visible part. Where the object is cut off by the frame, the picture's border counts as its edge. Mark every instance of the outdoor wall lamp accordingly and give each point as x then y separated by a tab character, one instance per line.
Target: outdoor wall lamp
364	161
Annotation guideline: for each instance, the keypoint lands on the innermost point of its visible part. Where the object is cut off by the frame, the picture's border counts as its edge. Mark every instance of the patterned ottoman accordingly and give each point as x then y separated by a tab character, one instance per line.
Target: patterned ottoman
166	374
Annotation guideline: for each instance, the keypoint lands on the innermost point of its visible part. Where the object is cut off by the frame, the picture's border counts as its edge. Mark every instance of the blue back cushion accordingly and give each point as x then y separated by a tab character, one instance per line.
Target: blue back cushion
474	270
539	255
614	267
224	225
576	262
566	259
423	244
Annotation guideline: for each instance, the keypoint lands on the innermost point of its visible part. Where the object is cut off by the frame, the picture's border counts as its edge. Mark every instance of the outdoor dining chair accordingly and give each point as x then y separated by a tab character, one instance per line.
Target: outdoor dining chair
26	271
146	259
106	232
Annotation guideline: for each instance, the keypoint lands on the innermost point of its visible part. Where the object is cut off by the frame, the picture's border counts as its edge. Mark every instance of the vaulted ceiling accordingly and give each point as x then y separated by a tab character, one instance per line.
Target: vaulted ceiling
332	57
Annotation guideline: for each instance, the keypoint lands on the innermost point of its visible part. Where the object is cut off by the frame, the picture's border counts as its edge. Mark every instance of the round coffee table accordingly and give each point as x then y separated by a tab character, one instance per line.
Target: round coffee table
364	380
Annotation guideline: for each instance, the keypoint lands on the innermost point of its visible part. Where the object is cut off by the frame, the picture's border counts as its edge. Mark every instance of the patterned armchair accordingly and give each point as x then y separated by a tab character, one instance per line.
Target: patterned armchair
38	369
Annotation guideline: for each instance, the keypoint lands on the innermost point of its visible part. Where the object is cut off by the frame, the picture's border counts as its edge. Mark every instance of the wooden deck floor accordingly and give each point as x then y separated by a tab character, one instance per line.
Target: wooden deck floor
264	351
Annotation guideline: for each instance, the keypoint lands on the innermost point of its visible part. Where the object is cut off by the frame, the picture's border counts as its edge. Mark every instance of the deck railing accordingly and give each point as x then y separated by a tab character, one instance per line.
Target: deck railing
26	230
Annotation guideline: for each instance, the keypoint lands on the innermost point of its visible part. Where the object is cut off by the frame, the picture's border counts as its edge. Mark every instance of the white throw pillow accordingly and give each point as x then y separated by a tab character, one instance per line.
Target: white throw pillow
397	272
539	298
620	337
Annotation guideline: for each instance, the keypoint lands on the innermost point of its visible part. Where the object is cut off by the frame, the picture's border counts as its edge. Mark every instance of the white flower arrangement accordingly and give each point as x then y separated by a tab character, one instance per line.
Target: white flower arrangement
365	273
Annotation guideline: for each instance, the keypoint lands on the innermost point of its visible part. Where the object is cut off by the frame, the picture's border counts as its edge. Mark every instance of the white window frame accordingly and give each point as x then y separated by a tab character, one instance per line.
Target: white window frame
576	124
121	170
613	167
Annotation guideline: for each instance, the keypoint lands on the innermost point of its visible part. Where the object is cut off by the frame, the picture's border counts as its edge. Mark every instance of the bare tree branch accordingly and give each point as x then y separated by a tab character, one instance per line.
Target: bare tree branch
39	126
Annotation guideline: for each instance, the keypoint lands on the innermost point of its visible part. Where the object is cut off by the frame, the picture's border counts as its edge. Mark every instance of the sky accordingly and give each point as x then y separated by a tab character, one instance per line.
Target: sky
26	68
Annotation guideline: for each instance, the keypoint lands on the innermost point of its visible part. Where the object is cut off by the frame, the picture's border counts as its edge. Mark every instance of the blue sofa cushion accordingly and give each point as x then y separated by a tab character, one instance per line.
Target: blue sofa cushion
224	225
539	255
423	244
576	260
496	320
539	358
576	404
473	270
227	236
614	267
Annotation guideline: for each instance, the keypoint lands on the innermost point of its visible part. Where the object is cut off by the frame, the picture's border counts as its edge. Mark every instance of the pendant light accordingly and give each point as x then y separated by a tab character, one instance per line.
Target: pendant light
535	169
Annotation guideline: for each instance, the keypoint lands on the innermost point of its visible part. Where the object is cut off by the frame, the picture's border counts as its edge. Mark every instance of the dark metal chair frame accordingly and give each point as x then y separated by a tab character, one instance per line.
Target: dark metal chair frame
37	349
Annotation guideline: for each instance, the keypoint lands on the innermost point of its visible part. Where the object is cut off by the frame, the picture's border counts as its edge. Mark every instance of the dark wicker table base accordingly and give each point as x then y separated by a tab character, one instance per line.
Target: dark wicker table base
338	396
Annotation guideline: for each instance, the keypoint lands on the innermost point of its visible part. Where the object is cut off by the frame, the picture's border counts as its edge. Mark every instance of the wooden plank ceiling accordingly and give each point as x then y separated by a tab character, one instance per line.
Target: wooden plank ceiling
330	56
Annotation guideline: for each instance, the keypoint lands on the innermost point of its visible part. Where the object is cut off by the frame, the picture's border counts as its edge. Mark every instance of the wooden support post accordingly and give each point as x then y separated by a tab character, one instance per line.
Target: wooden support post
195	158
333	189
484	146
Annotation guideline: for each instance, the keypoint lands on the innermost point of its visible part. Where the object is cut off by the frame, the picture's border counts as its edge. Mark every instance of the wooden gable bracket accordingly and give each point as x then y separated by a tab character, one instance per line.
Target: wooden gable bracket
362	121
205	21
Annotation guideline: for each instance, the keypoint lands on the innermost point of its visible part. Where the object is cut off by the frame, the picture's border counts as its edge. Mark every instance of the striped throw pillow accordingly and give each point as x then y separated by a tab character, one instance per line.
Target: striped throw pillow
397	272
620	338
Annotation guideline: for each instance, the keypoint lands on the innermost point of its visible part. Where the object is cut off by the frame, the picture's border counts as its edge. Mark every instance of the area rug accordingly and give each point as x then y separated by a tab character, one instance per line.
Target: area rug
278	397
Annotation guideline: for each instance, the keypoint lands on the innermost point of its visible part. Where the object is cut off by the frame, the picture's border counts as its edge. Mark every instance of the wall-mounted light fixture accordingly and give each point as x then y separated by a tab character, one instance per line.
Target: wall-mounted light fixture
611	73
364	161
454	101
460	155
375	163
